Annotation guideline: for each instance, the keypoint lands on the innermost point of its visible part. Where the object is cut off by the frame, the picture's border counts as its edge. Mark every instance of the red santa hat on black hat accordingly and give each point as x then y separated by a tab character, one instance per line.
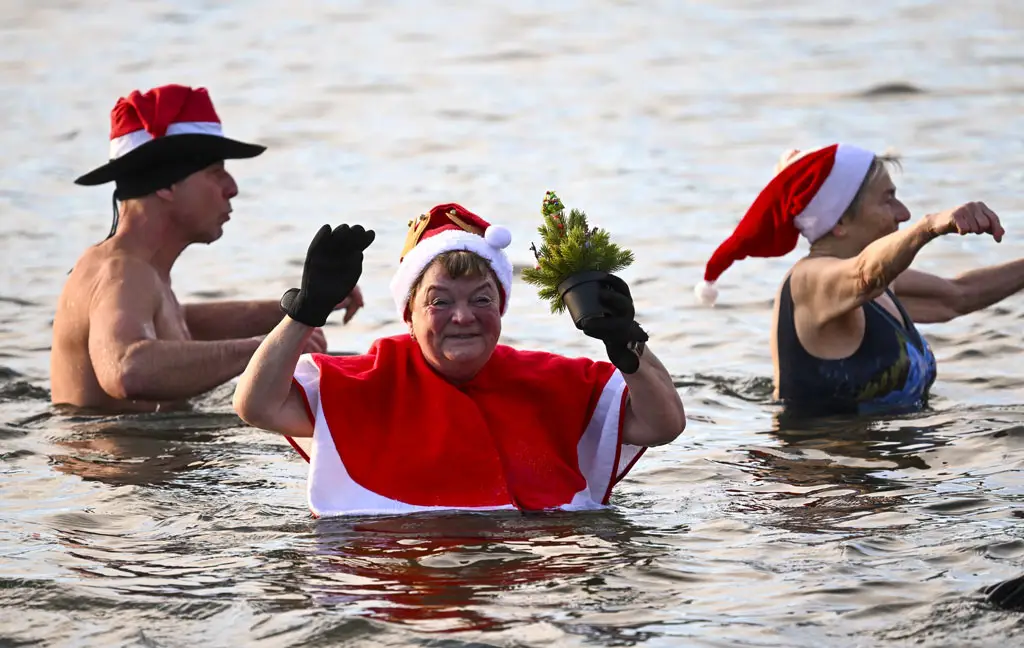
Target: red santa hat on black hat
168	110
444	229
807	197
163	133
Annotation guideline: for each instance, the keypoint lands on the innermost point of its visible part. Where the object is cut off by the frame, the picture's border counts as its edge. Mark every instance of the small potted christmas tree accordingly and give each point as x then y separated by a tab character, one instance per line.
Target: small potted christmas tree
573	261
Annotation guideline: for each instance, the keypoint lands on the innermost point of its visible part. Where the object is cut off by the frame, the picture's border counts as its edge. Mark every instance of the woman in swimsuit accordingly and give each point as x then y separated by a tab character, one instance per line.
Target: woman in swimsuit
844	338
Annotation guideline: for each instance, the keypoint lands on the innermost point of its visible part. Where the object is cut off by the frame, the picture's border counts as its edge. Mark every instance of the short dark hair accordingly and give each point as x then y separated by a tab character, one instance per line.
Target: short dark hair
457	264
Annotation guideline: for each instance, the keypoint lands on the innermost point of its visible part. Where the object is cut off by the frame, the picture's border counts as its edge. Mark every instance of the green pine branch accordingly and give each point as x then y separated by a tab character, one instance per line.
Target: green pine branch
569	246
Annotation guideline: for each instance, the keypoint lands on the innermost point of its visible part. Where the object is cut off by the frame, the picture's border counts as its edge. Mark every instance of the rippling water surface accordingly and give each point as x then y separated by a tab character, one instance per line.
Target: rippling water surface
662	120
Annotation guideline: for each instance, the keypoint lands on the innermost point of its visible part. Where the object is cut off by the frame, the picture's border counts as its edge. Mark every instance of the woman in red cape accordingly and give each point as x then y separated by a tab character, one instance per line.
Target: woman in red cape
444	417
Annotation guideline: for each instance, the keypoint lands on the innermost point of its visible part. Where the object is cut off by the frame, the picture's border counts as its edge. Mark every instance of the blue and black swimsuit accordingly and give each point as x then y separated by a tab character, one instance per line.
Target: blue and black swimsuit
892	369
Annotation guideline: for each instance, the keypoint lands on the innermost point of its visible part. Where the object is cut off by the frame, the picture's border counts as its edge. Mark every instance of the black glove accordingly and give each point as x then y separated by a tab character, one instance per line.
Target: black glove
334	262
622	336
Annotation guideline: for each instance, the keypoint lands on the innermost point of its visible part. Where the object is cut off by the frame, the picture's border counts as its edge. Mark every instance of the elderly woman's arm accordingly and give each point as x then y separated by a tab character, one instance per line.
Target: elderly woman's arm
827	288
654	414
266	397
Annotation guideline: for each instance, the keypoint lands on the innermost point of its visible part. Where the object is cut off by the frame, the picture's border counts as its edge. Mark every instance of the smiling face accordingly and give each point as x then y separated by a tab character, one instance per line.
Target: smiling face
455	314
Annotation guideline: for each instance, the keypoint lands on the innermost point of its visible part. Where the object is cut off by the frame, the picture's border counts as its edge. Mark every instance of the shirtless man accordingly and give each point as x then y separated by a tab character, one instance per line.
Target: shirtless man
121	340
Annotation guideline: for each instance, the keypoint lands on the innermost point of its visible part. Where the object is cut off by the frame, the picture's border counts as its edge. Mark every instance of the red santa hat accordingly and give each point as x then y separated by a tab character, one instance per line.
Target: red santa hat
161	136
444	229
806	197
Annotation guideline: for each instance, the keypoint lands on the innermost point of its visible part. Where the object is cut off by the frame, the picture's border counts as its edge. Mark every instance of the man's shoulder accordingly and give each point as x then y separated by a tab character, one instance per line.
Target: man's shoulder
103	272
106	262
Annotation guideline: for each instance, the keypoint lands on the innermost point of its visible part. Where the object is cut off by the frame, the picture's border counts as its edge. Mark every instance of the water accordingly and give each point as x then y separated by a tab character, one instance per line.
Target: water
661	120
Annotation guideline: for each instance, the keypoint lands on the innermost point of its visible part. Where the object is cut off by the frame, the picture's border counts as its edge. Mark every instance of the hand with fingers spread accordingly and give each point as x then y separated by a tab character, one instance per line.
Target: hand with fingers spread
622	336
333	265
316	343
351	304
970	218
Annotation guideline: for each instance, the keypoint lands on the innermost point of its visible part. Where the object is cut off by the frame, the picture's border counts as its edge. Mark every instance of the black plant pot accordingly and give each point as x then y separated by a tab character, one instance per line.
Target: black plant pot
581	293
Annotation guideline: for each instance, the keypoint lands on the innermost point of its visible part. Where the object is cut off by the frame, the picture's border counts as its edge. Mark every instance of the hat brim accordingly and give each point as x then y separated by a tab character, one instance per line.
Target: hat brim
169	149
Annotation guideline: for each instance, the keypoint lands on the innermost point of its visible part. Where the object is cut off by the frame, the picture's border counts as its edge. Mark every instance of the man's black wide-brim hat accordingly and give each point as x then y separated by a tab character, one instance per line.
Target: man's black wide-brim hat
161	136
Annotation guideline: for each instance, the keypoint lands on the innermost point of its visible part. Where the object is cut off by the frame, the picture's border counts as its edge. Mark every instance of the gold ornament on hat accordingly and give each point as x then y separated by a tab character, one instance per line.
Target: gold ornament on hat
454	217
416	227
419	225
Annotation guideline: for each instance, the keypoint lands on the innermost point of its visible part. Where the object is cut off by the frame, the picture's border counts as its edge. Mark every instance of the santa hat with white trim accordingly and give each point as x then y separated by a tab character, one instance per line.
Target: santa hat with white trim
160	137
444	229
806	198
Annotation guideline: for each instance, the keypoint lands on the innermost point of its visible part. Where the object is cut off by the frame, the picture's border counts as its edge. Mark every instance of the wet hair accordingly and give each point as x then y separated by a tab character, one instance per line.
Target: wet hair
458	264
878	166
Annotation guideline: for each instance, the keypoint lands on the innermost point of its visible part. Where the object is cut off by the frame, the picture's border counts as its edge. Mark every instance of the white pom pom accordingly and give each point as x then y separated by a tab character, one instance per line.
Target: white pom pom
498	236
706	292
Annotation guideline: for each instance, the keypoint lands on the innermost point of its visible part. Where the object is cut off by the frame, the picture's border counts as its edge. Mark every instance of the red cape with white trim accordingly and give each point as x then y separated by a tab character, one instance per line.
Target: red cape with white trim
532	431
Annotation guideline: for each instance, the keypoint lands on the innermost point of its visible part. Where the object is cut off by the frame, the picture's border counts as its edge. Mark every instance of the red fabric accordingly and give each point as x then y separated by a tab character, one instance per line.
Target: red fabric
158	108
508	436
399	583
768	229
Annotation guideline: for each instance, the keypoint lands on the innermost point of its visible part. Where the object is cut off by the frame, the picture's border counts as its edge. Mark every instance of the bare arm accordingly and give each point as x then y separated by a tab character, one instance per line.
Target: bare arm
825	289
265	396
928	298
223	320
655	413
132	364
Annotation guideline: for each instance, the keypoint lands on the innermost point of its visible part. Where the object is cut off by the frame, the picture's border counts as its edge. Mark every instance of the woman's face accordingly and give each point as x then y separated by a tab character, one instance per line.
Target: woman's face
879	213
456	322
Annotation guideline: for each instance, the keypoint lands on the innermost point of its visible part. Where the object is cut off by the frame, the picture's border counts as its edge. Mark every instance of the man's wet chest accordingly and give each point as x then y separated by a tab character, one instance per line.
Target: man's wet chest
170	319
